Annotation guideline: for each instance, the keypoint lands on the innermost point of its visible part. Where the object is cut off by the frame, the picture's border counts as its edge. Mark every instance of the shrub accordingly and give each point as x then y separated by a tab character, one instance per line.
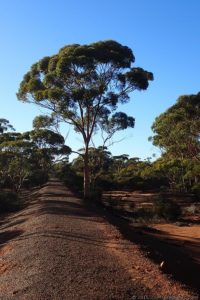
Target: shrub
166	209
144	213
95	195
196	191
104	183
38	177
9	202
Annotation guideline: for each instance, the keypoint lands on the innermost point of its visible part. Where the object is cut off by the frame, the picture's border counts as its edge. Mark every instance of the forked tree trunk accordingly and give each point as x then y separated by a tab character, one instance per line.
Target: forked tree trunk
86	175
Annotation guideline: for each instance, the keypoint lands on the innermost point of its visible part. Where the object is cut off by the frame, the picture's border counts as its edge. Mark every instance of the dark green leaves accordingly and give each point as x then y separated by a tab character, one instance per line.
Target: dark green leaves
5	125
46	136
43	64
122	121
139	78
177	130
118	121
35	84
43	121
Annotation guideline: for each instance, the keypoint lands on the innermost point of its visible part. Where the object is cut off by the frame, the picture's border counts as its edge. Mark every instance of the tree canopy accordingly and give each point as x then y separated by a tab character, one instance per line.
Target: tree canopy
5	125
177	133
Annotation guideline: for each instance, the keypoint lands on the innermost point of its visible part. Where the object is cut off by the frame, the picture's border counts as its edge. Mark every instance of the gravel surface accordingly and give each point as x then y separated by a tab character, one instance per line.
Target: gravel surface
56	248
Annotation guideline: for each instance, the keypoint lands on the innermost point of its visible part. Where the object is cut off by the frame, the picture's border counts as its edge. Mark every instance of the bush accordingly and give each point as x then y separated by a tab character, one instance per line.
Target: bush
9	202
144	214
38	177
104	183
95	195
166	209
73	182
196	190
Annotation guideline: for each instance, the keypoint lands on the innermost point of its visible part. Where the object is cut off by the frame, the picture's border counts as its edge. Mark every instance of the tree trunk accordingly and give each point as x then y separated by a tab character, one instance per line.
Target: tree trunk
86	175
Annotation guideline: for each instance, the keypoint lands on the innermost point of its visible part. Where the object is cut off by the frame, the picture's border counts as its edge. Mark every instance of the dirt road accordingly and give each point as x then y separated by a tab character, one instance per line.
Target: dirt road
56	248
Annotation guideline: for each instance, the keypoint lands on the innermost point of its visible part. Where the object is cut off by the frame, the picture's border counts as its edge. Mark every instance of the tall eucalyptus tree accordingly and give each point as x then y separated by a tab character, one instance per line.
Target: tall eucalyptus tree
83	85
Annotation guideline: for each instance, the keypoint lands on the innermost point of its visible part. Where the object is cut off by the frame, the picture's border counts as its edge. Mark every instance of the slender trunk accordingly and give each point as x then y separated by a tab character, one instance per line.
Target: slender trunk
86	174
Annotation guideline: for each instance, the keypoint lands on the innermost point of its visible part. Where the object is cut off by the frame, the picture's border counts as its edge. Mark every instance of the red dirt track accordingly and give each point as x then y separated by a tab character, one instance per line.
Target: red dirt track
57	248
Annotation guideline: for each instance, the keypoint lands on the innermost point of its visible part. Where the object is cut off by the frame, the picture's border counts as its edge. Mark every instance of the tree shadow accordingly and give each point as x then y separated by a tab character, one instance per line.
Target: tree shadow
65	208
159	246
75	237
190	222
10	223
8	235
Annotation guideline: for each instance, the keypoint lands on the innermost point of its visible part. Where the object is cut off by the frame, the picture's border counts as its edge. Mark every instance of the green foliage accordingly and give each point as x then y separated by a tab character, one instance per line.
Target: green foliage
45	122
5	125
66	173
28	157
166	209
144	214
95	195
196	190
119	172
36	177
9	202
163	209
14	156
177	132
78	76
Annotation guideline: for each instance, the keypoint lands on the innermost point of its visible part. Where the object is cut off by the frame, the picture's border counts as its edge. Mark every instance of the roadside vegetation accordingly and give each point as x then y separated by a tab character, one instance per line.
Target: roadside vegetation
26	160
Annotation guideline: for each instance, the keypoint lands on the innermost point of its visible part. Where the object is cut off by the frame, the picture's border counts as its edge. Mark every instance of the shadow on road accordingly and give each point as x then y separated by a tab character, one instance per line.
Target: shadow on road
159	247
9	235
64	207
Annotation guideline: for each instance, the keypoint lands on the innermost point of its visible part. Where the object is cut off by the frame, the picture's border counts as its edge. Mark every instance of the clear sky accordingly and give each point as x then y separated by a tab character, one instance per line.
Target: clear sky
164	37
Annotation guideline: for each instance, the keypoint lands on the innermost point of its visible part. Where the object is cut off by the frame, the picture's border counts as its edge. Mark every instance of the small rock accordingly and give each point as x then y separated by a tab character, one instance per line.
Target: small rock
162	264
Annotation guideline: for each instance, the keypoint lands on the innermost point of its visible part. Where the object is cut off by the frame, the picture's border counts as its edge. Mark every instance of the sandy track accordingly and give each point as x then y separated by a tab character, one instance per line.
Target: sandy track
56	248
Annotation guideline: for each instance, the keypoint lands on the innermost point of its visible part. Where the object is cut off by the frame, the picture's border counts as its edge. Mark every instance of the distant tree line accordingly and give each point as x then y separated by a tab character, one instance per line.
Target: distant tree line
27	159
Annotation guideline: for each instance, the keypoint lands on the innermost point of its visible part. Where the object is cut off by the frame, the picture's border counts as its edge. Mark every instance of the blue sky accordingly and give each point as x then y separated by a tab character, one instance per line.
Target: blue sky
164	37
